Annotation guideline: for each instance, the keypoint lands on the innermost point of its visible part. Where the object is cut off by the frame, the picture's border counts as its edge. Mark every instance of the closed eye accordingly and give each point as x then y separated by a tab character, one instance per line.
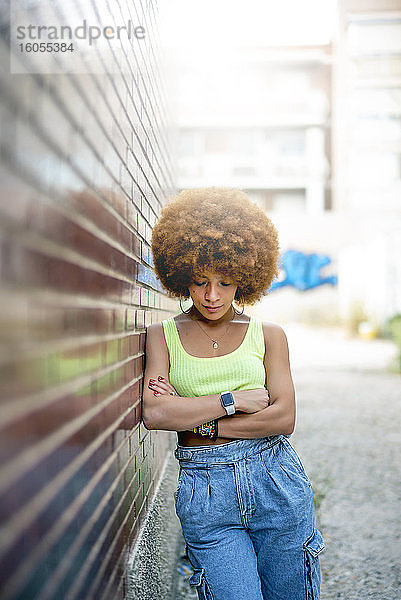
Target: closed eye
200	283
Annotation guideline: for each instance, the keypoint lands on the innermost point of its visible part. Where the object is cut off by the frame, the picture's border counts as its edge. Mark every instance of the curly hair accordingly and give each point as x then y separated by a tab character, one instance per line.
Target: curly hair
218	229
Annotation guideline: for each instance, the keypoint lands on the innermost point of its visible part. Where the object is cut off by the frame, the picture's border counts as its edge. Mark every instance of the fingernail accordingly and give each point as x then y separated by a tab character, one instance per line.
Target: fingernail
160	378
156	393
152	380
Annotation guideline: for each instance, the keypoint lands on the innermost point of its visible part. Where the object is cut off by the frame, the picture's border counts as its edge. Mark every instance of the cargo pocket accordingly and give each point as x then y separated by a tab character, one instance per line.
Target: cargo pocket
198	581
312	548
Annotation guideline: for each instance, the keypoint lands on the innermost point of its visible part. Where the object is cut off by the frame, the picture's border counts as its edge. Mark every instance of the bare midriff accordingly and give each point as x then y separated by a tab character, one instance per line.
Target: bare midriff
188	438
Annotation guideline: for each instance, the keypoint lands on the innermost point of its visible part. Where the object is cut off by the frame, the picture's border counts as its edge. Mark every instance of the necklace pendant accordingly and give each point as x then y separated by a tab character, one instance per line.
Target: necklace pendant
215	344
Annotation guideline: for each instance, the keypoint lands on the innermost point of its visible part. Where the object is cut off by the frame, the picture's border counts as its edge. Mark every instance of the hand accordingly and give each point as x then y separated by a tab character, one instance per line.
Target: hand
161	386
251	401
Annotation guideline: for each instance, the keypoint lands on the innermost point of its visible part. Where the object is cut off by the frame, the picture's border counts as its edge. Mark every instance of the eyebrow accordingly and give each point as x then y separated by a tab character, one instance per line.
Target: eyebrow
223	277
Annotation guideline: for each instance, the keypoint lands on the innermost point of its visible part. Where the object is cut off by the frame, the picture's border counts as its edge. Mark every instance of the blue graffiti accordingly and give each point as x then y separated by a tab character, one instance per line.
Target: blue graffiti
302	271
146	276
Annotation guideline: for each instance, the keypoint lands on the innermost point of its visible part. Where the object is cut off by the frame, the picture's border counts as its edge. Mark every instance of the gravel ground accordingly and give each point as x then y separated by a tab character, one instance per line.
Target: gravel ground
348	414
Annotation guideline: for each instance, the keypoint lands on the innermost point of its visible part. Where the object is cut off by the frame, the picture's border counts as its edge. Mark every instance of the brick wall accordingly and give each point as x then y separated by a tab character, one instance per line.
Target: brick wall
85	167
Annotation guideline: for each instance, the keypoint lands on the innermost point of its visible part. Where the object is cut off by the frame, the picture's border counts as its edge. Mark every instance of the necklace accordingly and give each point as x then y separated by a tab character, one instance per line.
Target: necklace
215	343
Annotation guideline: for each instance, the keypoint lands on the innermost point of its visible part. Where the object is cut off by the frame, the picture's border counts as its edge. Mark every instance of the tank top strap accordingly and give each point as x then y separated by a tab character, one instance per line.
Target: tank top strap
171	336
255	340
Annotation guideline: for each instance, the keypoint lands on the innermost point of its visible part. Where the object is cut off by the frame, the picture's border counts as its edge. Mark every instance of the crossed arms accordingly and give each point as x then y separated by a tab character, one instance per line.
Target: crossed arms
259	417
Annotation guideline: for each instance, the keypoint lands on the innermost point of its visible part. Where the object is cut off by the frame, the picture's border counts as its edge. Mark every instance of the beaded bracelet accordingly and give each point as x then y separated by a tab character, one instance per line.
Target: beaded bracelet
209	429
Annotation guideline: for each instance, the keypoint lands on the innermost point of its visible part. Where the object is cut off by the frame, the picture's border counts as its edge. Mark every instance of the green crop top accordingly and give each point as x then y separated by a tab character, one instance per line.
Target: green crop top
242	369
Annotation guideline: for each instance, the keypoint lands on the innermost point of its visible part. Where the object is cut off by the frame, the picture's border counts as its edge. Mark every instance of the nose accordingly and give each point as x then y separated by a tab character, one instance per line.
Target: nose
212	292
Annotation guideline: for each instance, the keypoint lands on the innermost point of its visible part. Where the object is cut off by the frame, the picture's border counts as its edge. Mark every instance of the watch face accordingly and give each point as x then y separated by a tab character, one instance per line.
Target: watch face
227	399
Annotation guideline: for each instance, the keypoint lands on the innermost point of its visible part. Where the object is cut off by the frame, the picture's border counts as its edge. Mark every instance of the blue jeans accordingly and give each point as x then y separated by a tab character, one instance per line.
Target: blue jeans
247	516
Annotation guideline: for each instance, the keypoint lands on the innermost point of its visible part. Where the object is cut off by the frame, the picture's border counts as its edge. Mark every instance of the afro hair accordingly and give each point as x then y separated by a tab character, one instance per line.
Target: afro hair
218	229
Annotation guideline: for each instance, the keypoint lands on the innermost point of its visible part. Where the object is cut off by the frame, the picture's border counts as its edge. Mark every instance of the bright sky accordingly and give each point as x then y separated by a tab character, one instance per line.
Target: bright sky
214	24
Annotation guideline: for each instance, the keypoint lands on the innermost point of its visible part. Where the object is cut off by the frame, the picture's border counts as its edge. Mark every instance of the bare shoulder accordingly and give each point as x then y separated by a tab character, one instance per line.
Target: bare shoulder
155	334
274	334
154	330
156	348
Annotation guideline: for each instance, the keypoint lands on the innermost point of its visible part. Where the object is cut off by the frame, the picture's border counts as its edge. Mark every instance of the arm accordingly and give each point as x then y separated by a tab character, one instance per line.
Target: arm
176	413
279	417
172	413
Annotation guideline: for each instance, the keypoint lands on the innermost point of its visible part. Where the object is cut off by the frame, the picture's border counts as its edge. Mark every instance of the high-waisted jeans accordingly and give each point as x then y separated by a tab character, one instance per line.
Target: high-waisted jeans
247	516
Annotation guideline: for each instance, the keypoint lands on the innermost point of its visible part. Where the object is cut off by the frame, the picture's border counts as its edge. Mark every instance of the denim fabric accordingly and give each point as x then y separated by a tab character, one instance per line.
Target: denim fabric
247	516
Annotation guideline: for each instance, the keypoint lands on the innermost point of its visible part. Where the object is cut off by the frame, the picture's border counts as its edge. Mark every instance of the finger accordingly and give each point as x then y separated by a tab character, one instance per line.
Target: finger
157	386
169	387
161	388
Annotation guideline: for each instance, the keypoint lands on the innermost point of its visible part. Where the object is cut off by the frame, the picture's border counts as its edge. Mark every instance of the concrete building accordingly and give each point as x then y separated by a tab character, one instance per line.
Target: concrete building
367	157
261	136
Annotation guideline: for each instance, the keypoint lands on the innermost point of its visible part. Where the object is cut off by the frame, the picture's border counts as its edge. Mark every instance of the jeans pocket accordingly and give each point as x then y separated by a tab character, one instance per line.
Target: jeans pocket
312	548
179	485
198	580
294	460
184	492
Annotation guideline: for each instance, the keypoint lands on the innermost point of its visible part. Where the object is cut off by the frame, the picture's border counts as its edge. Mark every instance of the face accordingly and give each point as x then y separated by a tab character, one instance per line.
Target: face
212	294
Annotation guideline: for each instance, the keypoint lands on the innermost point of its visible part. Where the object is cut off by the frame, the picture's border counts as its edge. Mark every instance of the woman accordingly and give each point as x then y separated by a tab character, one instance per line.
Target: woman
243	498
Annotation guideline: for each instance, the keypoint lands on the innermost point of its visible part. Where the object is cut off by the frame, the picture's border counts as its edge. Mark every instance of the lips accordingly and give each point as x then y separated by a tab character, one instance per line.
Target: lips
213	308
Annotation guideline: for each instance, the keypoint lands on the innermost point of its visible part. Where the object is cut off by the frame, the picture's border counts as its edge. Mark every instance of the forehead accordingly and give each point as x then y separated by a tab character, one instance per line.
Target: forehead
208	274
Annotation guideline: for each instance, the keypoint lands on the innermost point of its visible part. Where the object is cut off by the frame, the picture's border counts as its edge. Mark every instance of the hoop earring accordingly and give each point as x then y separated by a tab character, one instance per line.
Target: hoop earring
237	312
186	312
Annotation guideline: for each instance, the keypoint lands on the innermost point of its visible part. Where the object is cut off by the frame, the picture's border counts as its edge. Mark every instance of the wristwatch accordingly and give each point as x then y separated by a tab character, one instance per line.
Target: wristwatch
227	401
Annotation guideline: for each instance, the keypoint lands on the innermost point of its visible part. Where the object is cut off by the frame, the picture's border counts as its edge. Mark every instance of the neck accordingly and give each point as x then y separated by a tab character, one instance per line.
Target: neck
195	315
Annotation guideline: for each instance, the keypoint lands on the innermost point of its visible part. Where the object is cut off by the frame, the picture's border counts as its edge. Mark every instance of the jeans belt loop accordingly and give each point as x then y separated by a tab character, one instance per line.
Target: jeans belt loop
181	454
